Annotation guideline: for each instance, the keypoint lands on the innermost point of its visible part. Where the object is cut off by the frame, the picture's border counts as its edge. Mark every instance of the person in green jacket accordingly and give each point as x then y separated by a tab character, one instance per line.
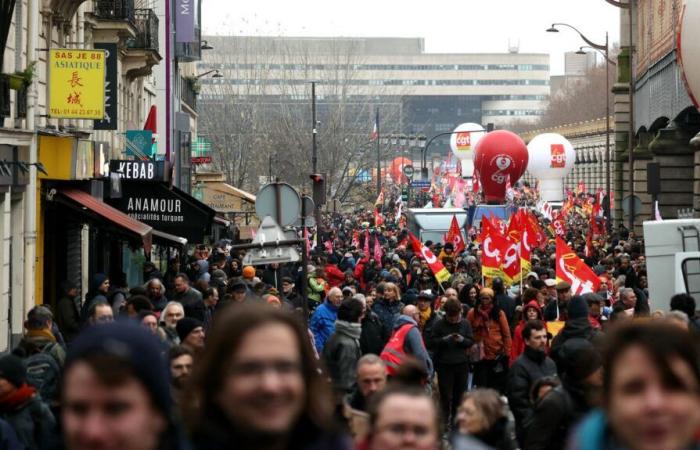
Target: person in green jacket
317	286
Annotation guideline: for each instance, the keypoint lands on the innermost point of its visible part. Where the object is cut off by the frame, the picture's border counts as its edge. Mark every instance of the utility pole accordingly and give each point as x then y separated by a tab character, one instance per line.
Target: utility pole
379	159
630	161
314	158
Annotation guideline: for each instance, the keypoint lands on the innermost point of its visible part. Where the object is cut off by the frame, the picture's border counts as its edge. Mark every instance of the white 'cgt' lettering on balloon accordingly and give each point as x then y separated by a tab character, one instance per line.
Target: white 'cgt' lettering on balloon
429	260
495	253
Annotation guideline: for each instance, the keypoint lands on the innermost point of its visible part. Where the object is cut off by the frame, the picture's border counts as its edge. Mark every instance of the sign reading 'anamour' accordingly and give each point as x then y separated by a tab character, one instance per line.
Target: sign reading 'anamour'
155	209
169	210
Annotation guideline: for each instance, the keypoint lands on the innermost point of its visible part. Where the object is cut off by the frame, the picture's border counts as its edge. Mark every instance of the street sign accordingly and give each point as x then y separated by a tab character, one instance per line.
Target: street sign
309	207
270	231
420	184
279	201
408	171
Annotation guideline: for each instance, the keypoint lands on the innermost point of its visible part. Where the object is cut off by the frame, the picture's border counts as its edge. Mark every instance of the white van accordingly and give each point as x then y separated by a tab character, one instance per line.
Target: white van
672	249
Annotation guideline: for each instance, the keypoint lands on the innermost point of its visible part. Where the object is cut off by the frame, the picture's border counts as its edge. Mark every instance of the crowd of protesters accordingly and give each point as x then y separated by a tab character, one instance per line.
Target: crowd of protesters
213	354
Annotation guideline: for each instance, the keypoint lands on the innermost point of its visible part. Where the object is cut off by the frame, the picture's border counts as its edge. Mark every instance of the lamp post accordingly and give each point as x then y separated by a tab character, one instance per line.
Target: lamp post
605	50
424	151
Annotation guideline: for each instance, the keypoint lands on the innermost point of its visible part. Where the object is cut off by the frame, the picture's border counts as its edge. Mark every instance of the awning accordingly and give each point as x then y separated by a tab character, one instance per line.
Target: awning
167	210
168	239
111	214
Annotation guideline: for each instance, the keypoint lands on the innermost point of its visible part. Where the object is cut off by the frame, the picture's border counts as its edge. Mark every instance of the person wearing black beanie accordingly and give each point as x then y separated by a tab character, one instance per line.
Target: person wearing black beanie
118	364
191	333
577	326
555	414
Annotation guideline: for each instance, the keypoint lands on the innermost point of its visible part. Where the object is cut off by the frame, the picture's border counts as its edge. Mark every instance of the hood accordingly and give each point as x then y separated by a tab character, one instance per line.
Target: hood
349	329
403	320
533	304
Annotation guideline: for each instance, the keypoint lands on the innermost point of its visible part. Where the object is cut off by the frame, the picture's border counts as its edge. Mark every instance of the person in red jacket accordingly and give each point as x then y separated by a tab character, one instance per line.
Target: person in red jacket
335	276
531	311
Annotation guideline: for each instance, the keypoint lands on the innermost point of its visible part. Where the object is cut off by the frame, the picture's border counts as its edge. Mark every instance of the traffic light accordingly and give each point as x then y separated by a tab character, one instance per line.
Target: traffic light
319	188
404	195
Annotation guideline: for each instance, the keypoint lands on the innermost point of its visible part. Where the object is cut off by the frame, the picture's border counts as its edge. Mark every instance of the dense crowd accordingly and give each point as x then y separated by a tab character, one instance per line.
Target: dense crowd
212	354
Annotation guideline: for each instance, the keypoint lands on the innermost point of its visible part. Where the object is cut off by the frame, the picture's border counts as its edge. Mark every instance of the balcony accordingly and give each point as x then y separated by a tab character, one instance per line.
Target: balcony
146	23
189	92
190	51
142	51
114	10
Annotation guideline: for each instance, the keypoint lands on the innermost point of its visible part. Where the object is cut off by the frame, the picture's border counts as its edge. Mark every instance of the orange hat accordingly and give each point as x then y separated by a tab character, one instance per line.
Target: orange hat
248	272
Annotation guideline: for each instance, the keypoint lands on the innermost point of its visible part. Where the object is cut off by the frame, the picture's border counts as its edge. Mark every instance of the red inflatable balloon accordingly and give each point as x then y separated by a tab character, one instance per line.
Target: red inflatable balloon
499	155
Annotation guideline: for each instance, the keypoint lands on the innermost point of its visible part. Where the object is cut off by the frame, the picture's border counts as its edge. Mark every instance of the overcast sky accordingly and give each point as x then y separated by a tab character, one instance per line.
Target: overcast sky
453	26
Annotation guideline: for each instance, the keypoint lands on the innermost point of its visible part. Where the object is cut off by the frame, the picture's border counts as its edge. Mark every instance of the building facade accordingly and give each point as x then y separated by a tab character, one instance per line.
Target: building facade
664	119
426	93
60	177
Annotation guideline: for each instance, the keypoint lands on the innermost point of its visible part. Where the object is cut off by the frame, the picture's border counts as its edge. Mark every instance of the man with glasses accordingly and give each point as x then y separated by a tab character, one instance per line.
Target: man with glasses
100	312
403	417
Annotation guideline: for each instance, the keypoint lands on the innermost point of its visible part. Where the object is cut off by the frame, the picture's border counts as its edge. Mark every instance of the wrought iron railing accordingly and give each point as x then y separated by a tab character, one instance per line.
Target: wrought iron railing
188	94
114	10
146	23
4	97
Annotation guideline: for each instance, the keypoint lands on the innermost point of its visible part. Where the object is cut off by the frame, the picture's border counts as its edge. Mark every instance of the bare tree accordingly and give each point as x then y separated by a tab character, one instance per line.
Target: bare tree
260	112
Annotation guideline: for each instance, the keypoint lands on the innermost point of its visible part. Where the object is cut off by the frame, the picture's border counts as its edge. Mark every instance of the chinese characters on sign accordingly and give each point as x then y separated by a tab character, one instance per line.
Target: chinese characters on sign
77	84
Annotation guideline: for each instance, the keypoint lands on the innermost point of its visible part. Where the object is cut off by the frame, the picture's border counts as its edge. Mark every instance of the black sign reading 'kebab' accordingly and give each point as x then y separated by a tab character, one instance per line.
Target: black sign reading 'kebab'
110	120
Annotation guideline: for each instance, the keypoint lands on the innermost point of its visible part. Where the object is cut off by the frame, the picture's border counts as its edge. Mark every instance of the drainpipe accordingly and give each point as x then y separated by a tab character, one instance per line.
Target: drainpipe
30	194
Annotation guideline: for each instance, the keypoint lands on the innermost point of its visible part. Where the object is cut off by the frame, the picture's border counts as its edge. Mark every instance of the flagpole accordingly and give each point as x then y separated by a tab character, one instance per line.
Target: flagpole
379	160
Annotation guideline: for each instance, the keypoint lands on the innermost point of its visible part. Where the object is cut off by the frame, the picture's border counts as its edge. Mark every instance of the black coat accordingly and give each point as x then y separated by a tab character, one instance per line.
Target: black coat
68	317
507	304
340	354
553	417
528	368
574	328
446	349
371	338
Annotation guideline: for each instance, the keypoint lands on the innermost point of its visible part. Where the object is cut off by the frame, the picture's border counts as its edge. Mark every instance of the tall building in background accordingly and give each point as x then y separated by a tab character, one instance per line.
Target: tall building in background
427	93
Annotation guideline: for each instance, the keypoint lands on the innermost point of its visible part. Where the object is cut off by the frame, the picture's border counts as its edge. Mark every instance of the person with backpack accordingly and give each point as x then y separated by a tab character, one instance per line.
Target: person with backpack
42	355
21	406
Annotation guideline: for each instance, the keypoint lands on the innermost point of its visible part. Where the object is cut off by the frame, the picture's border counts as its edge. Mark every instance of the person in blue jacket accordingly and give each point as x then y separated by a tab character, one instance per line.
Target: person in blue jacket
322	323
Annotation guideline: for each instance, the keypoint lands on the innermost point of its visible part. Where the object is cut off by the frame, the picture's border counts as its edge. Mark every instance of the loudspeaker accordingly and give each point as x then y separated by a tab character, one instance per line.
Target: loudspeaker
653	178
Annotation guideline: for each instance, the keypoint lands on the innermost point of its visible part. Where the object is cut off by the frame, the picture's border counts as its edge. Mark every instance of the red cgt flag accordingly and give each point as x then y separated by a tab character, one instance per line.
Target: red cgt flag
454	235
441	274
572	269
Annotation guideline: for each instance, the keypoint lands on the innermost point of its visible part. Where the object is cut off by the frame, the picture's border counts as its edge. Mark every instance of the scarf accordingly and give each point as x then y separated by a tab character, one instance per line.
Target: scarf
44	333
484	315
18	397
424	317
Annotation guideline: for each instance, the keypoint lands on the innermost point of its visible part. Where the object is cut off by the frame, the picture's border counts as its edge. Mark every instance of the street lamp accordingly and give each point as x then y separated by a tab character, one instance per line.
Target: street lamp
216	72
605	50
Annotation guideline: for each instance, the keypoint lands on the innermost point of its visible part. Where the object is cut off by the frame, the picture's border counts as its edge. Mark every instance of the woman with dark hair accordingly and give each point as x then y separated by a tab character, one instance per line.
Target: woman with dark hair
492	336
651	391
467	296
257	386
